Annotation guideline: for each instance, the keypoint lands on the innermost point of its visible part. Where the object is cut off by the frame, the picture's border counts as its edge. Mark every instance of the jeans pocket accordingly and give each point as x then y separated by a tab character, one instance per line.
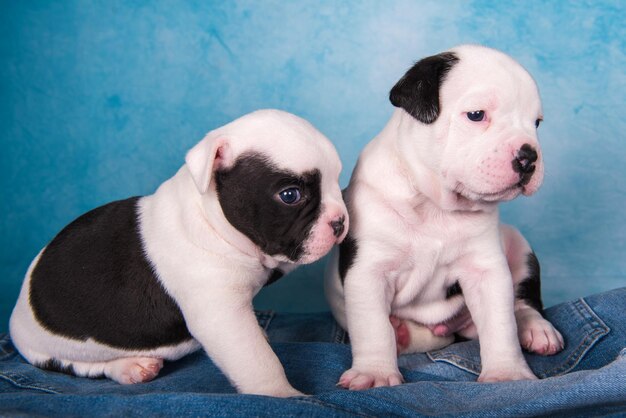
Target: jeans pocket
578	323
464	355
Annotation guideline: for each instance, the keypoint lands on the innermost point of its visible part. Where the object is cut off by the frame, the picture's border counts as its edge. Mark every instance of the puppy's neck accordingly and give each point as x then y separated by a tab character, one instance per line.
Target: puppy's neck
216	219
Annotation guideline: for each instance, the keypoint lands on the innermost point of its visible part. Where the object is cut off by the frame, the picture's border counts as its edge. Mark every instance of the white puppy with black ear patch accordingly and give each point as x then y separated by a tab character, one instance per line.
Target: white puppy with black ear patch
147	279
425	244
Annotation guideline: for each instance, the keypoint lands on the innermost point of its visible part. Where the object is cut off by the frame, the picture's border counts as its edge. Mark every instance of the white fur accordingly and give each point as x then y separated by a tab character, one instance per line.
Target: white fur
210	269
423	211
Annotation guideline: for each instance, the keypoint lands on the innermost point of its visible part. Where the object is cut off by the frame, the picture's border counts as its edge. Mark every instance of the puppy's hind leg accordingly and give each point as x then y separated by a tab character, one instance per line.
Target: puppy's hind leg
125	371
535	333
133	369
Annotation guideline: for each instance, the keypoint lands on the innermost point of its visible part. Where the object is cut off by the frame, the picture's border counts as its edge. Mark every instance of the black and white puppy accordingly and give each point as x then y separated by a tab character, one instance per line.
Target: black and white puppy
425	244
153	278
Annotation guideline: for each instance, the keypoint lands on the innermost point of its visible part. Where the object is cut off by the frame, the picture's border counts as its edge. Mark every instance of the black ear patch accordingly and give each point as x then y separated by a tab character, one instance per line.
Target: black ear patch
247	191
417	92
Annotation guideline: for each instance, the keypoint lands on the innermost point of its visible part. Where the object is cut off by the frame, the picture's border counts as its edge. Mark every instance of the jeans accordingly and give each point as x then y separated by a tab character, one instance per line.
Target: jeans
588	378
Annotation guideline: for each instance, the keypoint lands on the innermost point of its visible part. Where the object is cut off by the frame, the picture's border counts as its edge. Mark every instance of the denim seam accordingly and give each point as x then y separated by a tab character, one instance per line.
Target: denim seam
314	401
386	400
455	360
24	382
4	344
600	329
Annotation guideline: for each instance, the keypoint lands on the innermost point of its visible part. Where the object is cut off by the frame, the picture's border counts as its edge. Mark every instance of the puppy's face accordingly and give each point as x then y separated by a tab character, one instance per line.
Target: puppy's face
482	111
277	182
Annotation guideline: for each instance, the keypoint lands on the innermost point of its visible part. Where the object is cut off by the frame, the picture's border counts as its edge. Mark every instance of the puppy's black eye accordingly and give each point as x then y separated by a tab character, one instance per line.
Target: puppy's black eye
476	116
290	196
537	122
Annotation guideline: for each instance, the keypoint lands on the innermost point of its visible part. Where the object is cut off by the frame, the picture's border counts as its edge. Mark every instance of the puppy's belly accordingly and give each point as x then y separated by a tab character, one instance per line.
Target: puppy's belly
38	345
430	312
428	293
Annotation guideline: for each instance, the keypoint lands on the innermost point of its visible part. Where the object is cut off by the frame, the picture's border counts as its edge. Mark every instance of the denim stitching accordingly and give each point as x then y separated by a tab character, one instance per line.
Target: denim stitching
339	335
24	382
336	335
600	329
318	402
455	360
6	348
19	380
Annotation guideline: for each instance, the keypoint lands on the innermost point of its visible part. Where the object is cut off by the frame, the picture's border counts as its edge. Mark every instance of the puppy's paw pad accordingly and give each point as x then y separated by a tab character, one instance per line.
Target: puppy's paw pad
358	380
134	370
146	369
540	337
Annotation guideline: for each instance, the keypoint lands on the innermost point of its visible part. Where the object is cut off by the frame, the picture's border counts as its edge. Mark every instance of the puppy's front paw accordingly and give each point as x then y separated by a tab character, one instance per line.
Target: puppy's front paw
539	336
521	372
356	379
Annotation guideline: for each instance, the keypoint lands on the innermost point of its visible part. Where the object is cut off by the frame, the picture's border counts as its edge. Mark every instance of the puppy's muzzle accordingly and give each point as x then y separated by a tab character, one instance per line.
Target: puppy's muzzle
524	163
338	226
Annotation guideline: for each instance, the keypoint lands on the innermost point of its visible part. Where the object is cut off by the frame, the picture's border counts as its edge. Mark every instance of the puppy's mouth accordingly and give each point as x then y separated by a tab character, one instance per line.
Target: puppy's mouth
463	193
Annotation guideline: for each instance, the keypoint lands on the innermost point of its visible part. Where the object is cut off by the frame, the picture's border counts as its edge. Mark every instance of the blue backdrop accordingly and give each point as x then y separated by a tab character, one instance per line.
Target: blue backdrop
99	100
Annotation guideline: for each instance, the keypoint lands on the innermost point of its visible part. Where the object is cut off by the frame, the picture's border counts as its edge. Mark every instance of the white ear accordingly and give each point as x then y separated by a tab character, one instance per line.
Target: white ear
205	157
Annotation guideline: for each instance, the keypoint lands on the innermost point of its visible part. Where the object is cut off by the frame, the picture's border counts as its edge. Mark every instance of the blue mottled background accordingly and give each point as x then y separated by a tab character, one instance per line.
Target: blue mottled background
99	100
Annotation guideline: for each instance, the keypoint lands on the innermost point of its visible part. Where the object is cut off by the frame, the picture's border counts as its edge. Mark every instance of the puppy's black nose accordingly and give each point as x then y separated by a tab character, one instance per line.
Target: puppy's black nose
524	161
337	226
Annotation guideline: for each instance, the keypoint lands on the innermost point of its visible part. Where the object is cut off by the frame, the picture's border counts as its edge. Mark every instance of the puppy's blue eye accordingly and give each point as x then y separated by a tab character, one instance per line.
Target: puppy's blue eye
290	196
537	122
476	116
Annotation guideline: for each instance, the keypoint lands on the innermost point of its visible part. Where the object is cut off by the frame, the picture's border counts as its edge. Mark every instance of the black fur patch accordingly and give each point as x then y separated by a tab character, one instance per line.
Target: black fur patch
529	290
417	92
347	254
275	274
93	281
247	193
54	365
454	290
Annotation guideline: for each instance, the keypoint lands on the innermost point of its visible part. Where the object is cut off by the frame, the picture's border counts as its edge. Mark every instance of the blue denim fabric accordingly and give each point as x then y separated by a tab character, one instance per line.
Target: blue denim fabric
588	378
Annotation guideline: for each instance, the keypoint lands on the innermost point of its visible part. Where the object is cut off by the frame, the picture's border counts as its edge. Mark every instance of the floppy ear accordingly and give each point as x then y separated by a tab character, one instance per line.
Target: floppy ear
205	157
417	92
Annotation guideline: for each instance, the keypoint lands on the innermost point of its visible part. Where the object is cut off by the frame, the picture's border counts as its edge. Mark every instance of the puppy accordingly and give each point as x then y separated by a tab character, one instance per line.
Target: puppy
425	244
153	278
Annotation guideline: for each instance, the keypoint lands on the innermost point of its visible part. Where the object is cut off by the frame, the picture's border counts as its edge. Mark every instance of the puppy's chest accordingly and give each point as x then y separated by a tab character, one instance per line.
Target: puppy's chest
437	250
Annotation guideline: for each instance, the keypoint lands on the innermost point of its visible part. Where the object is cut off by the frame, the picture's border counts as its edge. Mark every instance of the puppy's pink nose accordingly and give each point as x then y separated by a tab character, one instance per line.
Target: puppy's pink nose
338	226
